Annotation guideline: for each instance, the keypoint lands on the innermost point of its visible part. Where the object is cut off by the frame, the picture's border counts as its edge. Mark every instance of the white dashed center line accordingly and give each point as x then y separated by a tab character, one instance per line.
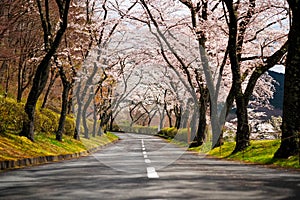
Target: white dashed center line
151	173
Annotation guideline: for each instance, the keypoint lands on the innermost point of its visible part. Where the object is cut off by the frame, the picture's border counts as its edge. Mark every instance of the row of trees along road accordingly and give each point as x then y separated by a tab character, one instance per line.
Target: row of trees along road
218	50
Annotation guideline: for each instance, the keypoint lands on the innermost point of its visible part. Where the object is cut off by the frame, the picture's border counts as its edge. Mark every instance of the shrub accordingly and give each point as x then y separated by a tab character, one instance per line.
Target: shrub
138	129
11	115
168	132
46	121
116	128
182	135
69	126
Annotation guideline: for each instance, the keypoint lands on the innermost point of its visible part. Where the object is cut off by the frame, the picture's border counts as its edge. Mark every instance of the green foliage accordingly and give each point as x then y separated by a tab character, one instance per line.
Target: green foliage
11	115
46	121
116	128
69	126
14	147
138	129
168	132
182	135
260	151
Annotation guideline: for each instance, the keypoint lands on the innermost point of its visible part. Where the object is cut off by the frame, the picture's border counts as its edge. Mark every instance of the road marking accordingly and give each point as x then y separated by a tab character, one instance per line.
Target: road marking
152	173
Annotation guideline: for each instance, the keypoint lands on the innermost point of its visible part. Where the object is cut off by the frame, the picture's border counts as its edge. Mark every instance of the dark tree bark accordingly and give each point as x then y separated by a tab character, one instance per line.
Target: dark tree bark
168	112
84	113
7	79
235	43
94	119
76	135
43	68
64	107
135	116
24	74
291	106
53	77
201	131
178	113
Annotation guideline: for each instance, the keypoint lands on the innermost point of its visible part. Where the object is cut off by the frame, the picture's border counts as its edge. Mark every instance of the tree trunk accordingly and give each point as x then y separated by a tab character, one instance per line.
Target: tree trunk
202	126
42	72
243	131
100	129
161	119
178	112
291	115
7	80
52	81
20	82
94	120
84	115
63	113
39	83
79	113
64	107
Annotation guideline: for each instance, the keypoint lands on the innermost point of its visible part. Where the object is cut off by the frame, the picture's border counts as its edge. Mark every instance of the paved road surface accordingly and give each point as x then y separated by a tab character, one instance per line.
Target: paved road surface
145	167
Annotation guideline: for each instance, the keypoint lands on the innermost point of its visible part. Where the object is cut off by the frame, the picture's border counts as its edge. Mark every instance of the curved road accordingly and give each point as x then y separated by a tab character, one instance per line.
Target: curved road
146	167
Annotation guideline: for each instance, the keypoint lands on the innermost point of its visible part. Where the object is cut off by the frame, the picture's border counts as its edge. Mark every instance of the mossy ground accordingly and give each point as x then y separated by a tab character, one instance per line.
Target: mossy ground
259	152
13	147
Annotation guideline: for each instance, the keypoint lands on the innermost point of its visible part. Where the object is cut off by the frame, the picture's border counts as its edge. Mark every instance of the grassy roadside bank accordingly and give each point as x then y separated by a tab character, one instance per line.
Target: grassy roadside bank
260	152
17	151
14	147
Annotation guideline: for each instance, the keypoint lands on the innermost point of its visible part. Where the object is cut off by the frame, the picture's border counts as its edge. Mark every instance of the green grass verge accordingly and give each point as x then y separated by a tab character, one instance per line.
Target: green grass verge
260	152
13	147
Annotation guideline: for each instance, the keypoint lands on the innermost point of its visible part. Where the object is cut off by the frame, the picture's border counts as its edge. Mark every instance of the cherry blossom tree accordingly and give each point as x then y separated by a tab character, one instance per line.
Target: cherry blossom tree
103	55
209	27
238	24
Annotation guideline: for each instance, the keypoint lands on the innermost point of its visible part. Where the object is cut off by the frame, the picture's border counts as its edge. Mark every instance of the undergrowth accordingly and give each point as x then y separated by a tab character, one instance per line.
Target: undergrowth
259	152
13	146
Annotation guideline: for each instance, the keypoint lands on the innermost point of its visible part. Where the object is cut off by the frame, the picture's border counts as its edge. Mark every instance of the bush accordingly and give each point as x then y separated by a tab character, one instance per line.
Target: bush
46	121
116	128
11	115
182	135
168	132
138	129
69	128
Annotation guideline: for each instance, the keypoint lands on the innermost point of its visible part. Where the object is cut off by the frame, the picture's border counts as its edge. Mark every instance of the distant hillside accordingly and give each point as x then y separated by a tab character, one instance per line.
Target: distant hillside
277	101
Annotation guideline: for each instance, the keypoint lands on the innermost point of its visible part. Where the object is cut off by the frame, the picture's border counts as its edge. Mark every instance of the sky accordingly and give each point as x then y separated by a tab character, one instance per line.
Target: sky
278	68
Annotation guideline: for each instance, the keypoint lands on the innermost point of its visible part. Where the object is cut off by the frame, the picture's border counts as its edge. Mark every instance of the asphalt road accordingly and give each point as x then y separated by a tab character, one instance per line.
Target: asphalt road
146	167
